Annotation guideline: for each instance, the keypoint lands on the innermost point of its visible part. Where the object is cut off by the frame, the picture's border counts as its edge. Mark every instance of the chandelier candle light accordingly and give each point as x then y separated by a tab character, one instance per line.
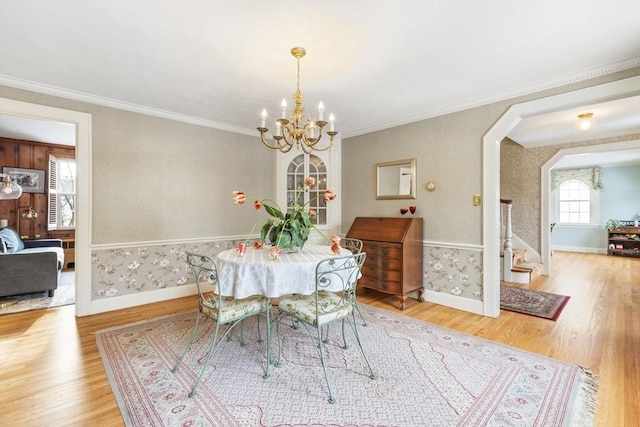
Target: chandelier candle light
296	131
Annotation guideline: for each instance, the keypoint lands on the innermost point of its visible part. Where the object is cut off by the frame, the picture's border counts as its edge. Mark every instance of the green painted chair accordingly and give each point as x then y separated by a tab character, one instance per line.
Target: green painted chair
223	311
355	246
323	307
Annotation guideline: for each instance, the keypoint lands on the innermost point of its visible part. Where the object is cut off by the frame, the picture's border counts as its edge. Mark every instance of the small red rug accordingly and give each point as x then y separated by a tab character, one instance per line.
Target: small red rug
534	303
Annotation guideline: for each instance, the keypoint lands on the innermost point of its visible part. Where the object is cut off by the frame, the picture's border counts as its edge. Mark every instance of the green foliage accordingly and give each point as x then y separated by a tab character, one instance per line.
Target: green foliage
290	229
612	224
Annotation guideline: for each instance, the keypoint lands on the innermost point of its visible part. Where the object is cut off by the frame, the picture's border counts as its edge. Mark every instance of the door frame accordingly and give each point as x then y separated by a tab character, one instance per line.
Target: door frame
491	175
82	123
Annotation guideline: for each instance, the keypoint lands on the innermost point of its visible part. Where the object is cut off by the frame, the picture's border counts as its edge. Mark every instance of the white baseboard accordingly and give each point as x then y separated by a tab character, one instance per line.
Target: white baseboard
465	304
579	249
132	300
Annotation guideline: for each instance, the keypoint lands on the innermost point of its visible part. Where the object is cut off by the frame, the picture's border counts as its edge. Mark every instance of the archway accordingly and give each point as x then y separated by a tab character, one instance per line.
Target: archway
491	174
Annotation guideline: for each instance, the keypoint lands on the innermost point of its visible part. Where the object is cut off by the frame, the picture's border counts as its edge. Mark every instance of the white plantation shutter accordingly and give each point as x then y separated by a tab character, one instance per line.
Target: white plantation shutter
53	193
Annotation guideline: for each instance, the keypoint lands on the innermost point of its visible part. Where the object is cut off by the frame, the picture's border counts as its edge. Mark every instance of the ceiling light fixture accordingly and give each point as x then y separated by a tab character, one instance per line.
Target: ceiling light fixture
296	131
585	123
9	189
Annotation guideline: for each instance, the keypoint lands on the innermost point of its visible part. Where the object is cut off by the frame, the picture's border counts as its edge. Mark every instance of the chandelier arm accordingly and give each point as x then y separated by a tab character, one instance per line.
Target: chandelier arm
286	148
264	141
314	145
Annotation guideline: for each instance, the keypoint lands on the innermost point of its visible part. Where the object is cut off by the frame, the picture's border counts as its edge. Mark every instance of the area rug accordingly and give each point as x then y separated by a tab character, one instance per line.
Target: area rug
533	303
427	376
64	295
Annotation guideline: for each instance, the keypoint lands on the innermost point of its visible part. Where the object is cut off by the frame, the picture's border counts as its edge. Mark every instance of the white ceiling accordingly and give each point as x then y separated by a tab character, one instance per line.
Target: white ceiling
374	64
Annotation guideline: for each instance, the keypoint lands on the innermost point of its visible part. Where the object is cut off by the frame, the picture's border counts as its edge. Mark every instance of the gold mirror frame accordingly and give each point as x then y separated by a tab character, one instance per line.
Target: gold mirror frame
391	180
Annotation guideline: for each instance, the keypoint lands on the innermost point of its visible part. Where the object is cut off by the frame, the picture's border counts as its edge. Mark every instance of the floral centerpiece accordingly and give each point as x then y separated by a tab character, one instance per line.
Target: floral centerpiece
285	231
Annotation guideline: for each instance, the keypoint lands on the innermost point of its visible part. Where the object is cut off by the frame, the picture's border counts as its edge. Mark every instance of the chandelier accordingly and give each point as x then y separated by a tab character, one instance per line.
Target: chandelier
296	130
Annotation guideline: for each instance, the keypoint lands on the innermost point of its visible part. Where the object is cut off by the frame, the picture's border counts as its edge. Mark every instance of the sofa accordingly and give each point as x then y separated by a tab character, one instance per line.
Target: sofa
28	266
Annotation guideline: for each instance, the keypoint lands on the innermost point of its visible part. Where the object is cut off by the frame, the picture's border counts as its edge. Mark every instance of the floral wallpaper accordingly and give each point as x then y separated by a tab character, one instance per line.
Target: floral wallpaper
122	271
130	270
453	271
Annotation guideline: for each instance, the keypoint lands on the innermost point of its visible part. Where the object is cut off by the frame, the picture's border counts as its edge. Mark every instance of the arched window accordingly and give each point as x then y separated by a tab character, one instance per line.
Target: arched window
575	204
308	165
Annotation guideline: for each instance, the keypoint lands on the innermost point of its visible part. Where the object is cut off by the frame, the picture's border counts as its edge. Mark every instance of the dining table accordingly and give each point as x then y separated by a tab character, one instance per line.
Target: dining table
255	273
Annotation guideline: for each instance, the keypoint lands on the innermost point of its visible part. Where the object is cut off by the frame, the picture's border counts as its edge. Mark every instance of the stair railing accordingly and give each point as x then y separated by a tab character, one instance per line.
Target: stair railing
506	238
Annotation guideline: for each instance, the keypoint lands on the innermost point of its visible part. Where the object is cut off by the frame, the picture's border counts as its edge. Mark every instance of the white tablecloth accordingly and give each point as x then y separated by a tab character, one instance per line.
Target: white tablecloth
256	274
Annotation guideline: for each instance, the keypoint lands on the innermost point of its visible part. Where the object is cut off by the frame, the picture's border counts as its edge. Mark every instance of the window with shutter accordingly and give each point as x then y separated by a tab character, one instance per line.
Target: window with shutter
62	193
53	196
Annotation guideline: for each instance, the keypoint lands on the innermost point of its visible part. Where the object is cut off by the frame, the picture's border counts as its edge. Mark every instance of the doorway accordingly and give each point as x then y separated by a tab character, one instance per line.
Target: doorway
491	176
82	122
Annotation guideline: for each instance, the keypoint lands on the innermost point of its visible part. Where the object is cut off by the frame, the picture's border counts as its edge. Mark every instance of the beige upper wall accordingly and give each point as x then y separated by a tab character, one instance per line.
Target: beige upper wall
157	179
205	165
448	150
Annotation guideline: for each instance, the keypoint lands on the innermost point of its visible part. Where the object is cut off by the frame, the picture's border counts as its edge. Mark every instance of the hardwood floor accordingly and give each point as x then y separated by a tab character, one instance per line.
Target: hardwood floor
51	371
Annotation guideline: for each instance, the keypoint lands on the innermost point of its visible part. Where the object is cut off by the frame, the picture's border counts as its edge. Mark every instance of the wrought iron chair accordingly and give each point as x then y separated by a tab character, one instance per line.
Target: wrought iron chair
324	307
355	246
223	310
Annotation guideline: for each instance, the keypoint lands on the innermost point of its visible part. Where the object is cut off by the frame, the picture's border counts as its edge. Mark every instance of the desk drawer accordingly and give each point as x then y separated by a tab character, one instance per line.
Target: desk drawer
381	274
383	263
381	285
382	250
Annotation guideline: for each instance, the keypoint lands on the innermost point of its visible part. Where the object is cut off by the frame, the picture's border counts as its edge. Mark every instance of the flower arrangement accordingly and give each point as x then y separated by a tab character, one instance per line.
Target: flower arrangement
285	232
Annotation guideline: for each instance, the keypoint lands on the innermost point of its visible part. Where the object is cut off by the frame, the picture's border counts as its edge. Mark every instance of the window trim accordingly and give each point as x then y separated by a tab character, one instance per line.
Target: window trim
594	207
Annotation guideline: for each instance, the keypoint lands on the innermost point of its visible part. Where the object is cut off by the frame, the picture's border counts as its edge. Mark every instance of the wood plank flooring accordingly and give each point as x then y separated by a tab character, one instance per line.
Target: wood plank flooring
51	372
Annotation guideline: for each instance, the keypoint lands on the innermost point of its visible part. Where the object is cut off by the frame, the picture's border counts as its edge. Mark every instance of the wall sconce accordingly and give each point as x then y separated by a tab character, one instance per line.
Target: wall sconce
585	123
29	214
9	189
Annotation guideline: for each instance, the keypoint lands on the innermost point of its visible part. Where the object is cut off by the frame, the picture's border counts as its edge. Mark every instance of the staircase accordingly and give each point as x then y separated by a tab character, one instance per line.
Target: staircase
514	266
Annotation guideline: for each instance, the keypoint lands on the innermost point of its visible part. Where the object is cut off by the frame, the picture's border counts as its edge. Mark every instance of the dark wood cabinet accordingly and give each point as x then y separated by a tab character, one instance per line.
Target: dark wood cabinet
624	241
394	255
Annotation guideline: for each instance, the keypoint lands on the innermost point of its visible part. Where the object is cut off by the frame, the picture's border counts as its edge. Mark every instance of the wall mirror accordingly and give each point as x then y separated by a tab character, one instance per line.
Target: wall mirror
396	180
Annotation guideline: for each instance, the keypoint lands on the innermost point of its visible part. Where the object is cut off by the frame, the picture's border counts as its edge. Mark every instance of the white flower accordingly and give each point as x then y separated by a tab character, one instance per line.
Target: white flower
456	291
134	265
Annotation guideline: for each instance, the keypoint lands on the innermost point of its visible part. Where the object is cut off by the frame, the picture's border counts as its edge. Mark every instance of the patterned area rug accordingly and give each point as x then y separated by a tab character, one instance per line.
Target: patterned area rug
64	295
428	376
534	303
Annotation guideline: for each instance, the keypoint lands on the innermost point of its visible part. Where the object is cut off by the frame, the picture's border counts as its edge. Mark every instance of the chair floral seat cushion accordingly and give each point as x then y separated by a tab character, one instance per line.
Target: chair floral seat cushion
232	308
330	306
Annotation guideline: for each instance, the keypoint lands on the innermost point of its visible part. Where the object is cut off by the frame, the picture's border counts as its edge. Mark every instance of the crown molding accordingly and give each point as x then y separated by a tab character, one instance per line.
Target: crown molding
135	108
513	93
119	105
